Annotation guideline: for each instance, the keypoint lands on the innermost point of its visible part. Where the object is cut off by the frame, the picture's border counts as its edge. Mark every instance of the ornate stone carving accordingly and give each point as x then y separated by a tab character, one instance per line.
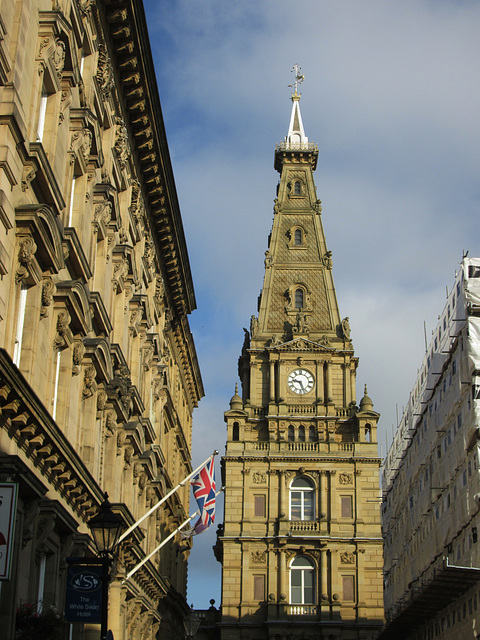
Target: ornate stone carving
102	214
149	252
347	557
80	143
45	526
89	384
159	288
147	356
299	345
134	608
104	75
87	144
44	42
121	437
85	5
120	268
128	455
135	319
77	357
63	321
119	15
142	481
258	557
29	173
137	207
59	56
121	384
110	422
48	288
121	143
253	326
102	398
301	323
345	478
259	478
327	260
64	104
346	328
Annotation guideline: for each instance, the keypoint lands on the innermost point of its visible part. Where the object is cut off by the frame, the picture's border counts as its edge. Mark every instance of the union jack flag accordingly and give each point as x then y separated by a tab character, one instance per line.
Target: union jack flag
204	493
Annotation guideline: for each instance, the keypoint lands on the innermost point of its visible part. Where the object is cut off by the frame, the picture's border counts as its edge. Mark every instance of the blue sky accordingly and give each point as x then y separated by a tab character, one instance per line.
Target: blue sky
392	98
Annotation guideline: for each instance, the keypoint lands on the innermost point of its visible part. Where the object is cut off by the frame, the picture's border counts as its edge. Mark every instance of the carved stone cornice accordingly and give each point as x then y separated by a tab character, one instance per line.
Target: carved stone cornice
302	344
135	70
28	423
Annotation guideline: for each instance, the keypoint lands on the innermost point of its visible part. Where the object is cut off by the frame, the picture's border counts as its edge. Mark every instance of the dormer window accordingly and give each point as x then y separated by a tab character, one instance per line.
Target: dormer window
298	236
297	189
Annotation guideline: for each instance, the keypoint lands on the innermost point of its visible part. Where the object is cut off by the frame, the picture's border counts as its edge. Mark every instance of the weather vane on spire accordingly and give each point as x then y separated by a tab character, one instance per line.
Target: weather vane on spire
299	77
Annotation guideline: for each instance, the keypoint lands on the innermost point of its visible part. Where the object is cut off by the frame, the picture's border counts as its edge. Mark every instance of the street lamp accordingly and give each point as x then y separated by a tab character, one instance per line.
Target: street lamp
191	624
106	528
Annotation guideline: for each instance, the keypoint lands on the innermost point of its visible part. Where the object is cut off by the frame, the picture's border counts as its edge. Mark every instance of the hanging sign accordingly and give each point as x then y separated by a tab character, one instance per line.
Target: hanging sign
8	510
83	598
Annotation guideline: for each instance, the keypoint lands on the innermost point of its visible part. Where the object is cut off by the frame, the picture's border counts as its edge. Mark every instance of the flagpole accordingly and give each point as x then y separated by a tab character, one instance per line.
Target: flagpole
156	506
164	542
147	558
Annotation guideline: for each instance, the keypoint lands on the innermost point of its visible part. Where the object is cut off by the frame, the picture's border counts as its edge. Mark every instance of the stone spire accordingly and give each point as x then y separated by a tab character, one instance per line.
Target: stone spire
298	295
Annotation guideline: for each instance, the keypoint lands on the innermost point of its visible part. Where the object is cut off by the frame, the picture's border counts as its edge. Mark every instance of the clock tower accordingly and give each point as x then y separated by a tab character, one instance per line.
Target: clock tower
301	546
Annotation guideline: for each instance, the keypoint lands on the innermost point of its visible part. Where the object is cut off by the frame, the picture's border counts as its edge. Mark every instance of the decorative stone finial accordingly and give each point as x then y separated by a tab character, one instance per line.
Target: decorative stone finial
366	403
236	403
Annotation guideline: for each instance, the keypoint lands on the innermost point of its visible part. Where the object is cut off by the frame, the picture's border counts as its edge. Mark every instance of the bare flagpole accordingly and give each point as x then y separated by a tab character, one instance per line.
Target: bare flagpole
155	507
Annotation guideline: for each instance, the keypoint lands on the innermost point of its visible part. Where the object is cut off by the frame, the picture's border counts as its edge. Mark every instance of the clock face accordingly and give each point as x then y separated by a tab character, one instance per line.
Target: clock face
300	381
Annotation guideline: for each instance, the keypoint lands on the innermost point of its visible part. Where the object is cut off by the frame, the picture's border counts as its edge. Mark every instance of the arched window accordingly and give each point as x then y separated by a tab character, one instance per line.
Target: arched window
236	432
298	236
368	433
302	499
302	581
299	299
297	188
311	433
301	433
291	433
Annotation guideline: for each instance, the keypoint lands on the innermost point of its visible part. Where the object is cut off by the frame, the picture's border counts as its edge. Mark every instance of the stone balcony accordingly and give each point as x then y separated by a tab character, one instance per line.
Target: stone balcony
349	449
302	610
327	612
302	528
